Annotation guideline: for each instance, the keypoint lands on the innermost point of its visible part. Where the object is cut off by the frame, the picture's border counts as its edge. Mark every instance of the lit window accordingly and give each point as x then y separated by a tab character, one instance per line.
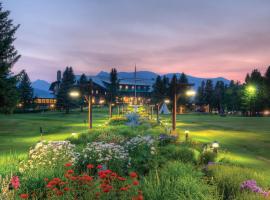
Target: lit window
96	91
120	87
126	87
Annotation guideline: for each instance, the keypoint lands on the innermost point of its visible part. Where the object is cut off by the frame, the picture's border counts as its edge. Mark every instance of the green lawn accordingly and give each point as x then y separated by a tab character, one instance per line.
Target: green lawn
19	131
243	140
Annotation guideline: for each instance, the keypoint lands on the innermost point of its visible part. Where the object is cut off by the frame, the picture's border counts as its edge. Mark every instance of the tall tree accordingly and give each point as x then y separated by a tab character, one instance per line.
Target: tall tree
232	98
173	87
113	86
84	89
208	94
218	96
200	100
267	86
25	91
8	57
67	83
183	98
159	90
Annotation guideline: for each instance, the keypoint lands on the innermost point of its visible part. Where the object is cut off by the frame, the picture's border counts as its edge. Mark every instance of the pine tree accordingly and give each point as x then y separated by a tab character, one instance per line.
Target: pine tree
8	57
208	93
84	89
200	100
113	86
25	91
158	91
184	99
218	96
67	84
267	87
173	87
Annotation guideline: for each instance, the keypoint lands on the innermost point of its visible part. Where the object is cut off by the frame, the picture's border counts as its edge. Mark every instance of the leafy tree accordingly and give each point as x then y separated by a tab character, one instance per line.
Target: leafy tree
8	57
84	89
67	83
209	93
25	91
254	100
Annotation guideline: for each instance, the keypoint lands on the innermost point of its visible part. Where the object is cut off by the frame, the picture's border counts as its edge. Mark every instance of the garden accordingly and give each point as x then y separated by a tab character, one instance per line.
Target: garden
131	157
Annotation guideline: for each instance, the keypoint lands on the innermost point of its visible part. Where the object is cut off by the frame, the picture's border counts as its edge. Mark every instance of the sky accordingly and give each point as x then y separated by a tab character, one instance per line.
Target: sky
203	38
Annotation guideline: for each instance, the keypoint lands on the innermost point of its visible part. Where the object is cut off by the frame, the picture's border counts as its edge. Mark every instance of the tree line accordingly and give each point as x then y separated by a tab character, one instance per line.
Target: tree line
250	98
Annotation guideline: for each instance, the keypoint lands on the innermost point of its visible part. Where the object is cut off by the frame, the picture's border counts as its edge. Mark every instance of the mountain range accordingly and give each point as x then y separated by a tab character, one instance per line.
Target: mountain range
41	87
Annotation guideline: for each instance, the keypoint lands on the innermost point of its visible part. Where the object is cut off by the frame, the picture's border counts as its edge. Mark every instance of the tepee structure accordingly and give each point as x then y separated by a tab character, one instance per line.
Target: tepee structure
164	109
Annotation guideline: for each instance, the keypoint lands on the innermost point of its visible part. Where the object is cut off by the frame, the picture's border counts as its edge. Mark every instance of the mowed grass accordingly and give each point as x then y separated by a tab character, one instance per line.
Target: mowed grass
243	140
20	131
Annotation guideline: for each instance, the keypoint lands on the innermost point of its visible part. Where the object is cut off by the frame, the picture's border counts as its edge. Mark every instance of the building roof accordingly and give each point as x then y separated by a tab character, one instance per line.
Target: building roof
43	94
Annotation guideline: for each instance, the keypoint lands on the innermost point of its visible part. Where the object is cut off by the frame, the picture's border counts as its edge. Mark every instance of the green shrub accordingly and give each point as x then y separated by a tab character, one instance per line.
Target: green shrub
177	152
229	178
177	181
206	157
119	120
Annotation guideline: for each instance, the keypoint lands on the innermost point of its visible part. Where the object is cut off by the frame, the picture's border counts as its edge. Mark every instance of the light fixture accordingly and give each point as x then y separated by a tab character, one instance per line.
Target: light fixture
190	93
74	94
167	101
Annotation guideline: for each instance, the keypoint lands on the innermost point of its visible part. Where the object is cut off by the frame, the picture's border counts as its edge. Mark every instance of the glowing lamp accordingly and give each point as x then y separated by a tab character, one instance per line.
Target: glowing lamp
190	93
167	101
74	94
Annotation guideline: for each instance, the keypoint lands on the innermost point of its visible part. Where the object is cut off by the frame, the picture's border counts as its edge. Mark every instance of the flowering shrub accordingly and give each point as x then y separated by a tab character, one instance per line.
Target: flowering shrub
49	154
118	120
251	185
165	139
106	185
108	154
142	152
133	119
6	190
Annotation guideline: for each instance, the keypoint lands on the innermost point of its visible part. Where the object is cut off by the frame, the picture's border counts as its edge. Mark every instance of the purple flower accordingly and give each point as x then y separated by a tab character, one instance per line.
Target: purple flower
251	185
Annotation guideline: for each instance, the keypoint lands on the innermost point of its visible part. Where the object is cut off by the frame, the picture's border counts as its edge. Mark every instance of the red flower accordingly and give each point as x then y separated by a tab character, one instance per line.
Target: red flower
123	188
59	193
90	166
70	171
99	166
68	164
121	178
135	182
133	175
15	182
106	190
24	196
66	189
102	176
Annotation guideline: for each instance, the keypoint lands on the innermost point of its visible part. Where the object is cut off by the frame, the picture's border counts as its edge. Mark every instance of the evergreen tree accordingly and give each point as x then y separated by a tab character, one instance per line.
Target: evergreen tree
232	99
158	91
25	91
8	57
200	94
218	96
184	99
208	93
113	86
84	89
173	87
67	83
267	87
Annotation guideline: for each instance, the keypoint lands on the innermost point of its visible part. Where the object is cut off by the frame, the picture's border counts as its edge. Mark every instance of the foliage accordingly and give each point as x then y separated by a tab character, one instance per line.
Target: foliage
67	83
207	156
165	139
109	155
48	155
119	120
160	89
179	153
83	84
177	181
142	152
133	119
112	87
25	91
229	179
8	57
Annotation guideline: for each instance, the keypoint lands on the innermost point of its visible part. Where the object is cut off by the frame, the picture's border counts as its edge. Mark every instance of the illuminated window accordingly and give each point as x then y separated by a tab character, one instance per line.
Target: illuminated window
132	87
96	91
120	87
126	87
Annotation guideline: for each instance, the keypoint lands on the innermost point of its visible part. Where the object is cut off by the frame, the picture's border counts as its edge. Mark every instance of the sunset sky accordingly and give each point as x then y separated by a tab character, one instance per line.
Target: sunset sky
204	38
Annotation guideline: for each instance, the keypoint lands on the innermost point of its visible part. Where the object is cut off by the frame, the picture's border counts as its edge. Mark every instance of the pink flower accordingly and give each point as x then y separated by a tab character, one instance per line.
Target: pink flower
15	182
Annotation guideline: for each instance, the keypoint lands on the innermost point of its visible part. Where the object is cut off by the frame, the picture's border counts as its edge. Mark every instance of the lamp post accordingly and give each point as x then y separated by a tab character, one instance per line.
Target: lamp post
175	97
89	100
